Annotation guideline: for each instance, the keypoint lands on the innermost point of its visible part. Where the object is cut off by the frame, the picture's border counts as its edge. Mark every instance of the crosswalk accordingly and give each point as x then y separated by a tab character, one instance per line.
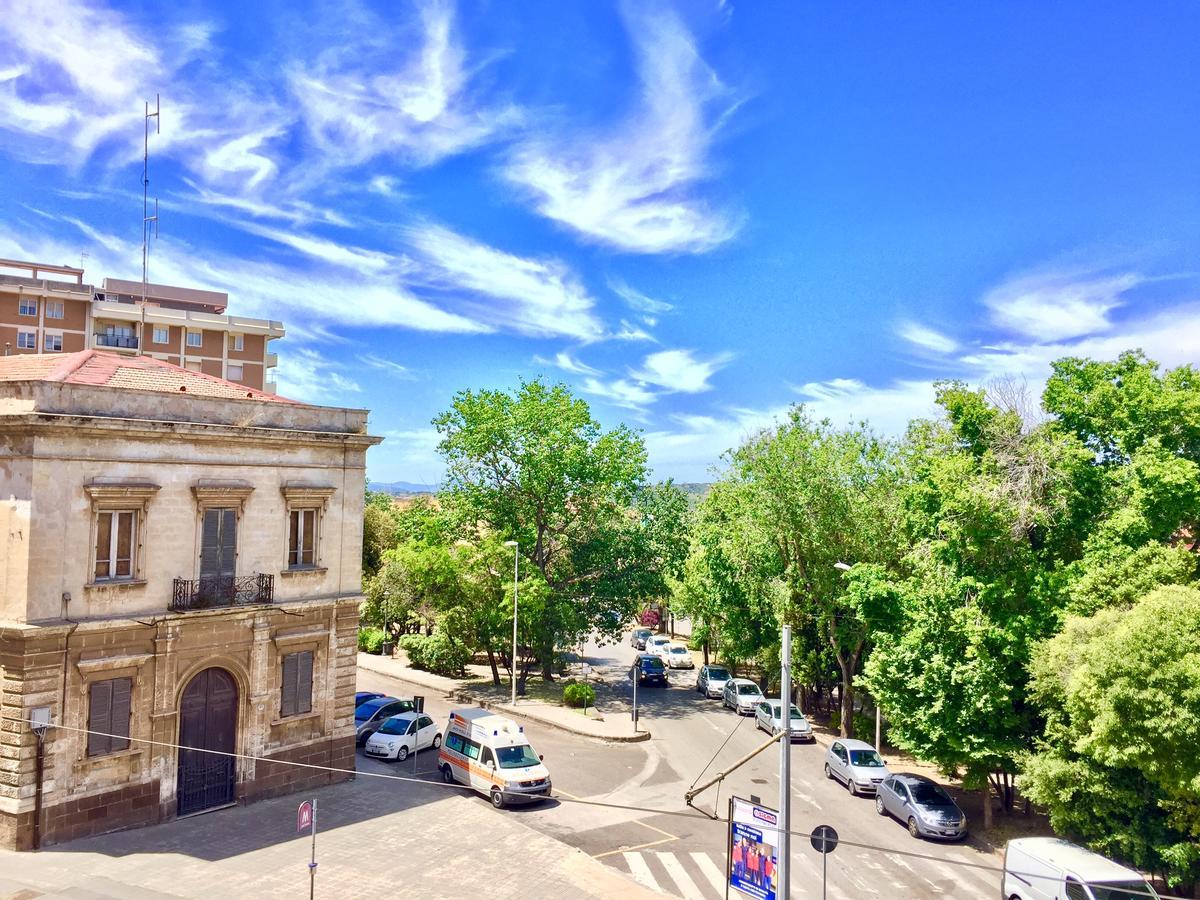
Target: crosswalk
685	875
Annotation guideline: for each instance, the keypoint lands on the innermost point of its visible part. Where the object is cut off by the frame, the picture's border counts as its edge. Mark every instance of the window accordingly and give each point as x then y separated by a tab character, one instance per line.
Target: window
302	539
52	343
1075	890
195	338
55	309
235	343
455	743
487	759
471	749
162	335
233	372
27	340
27	306
115	545
108	716
296	689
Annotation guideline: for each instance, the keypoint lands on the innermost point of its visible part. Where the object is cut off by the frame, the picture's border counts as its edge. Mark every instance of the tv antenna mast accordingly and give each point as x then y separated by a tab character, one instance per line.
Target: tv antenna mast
147	219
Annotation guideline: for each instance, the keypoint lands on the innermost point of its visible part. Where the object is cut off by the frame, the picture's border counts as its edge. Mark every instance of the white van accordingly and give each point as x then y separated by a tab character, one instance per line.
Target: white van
1043	868
491	754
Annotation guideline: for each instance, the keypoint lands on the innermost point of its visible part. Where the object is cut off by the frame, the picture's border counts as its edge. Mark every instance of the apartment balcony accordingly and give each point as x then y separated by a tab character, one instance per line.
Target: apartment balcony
271	359
219	591
185	318
118	341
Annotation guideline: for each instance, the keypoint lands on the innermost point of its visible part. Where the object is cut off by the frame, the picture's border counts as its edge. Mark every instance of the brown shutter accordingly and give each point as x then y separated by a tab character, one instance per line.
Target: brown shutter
122	688
287	706
228	542
210	543
99	718
304	682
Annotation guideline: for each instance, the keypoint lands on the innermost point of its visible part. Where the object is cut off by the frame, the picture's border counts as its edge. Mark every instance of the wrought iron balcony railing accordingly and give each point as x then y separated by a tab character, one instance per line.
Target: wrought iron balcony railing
215	591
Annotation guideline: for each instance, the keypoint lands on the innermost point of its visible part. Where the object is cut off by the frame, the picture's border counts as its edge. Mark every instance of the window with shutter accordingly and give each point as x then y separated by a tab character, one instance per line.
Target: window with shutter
302	539
109	708
218	543
296	684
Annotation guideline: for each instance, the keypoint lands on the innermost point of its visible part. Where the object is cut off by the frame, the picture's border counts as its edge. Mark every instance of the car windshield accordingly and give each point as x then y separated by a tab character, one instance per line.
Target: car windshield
748	689
678	650
796	714
868	759
1121	890
929	794
368	709
718	675
395	726
652	662
517	757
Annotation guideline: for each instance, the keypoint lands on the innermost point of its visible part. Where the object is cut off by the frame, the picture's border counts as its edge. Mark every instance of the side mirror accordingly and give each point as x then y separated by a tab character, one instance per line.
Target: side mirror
541	758
490	764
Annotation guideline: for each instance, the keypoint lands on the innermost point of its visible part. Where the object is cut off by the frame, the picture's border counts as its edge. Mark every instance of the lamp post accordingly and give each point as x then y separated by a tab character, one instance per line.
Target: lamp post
878	721
516	563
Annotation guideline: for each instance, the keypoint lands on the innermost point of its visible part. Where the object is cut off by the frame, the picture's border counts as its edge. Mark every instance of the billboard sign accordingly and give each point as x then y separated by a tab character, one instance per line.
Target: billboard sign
753	849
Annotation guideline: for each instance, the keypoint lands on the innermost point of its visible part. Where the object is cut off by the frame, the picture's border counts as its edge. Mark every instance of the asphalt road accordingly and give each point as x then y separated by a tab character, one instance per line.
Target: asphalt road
624	803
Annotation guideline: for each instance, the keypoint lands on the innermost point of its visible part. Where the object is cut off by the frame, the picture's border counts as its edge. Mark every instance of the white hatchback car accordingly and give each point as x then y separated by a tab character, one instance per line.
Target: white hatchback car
741	695
680	657
659	645
857	764
403	734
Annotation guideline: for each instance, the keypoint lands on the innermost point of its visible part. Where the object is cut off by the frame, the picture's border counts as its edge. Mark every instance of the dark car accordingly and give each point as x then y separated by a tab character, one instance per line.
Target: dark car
921	804
637	638
363	696
649	669
373	713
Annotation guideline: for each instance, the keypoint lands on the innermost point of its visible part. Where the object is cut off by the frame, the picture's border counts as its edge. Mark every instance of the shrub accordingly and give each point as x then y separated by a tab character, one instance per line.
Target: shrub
579	694
695	642
370	639
650	618
436	653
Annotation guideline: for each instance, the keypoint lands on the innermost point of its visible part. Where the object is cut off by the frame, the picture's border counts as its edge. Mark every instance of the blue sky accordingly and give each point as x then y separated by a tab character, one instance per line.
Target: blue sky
695	214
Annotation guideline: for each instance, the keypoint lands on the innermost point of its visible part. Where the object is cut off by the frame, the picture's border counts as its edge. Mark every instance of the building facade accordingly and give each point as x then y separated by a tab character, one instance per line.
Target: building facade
49	309
179	592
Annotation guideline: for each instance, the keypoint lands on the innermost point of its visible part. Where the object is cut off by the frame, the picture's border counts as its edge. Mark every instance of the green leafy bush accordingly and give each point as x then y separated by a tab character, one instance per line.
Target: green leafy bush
436	653
695	642
370	639
579	694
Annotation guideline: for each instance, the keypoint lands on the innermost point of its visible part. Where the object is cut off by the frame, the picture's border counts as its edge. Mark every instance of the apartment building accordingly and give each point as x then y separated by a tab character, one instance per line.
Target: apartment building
49	309
179	591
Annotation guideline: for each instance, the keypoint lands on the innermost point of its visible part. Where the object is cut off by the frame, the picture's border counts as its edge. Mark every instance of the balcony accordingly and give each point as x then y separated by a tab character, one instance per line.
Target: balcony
218	591
124	342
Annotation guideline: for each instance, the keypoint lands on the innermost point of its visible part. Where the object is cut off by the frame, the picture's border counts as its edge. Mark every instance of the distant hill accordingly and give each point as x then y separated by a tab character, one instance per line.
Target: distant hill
401	488
696	488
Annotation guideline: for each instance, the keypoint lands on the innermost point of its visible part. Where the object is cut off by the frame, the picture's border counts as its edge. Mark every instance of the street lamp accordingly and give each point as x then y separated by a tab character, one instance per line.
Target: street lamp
516	561
845	568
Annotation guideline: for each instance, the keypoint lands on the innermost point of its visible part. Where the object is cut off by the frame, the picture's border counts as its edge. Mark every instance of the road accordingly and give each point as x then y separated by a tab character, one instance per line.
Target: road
660	842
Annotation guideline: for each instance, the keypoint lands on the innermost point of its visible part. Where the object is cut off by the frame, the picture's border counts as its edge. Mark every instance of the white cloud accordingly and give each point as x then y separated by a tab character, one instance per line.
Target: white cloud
681	370
408	454
404	373
632	187
1051	306
541	297
927	338
637	301
630	332
567	363
887	408
304	374
620	392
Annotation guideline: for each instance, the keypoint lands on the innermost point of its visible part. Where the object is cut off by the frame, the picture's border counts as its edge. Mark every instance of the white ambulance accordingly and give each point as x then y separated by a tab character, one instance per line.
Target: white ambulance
491	754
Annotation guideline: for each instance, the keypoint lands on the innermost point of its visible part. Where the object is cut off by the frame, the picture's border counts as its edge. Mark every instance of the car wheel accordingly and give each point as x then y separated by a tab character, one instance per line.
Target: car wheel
447	774
912	827
497	799
828	772
402	754
851	788
879	807
437	741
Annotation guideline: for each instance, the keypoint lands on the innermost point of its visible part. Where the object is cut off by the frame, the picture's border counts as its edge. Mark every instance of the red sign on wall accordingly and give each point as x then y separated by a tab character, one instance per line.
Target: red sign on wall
304	816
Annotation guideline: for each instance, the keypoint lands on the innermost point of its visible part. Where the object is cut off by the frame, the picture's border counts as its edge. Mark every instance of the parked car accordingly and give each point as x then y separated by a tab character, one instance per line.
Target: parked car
680	657
363	696
638	637
403	734
768	716
373	713
741	695
658	645
1044	868
922	804
649	669
857	764
711	680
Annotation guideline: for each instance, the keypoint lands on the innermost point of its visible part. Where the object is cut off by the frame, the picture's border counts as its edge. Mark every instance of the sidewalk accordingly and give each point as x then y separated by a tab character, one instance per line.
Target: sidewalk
617	728
375	838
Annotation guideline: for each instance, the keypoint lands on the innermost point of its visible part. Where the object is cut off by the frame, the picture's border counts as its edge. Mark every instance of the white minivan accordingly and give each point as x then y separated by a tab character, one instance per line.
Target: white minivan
491	754
1044	868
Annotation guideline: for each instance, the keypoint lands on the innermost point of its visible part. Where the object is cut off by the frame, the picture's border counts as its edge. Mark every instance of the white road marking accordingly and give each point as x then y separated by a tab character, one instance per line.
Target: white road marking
641	872
687	887
711	871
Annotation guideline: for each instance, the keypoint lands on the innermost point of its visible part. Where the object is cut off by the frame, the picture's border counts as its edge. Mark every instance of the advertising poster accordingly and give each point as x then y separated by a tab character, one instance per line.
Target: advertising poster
753	857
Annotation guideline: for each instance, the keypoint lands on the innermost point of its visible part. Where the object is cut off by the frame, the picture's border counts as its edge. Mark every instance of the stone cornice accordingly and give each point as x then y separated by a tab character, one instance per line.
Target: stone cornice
300	494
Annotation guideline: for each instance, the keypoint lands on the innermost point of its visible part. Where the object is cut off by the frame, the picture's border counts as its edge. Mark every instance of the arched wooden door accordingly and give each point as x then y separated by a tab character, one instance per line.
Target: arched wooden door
207	721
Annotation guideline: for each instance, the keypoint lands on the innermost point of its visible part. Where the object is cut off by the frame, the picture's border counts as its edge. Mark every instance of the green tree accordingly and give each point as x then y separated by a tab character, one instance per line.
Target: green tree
1117	765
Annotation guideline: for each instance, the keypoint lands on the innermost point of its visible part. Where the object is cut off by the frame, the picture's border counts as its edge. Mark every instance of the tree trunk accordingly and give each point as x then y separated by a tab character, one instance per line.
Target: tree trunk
547	655
846	695
706	653
987	805
495	669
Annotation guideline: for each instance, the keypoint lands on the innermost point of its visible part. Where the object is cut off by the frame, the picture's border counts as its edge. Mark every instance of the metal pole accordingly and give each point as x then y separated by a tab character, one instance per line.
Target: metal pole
312	866
637	674
516	563
877	740
40	767
783	892
824	872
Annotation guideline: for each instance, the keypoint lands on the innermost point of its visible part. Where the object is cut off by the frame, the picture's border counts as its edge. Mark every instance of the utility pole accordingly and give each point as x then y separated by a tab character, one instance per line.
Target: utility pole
516	571
783	890
147	219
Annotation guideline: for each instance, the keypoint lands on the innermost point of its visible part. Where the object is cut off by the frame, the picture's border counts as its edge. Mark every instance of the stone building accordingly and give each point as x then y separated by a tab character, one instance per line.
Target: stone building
180	566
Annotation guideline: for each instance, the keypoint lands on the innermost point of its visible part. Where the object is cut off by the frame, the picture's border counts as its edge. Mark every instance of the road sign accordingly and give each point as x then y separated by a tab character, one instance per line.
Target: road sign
304	817
753	849
824	838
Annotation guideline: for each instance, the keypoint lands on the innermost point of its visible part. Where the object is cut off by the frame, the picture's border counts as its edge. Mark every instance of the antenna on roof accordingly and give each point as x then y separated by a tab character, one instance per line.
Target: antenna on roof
146	217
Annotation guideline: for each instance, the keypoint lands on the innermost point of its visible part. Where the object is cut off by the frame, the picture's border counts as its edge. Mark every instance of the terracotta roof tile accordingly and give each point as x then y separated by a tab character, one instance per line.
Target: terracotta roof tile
133	373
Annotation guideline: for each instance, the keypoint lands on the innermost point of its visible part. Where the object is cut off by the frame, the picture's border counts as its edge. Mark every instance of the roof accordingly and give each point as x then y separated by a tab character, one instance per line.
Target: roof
854	744
100	368
1079	861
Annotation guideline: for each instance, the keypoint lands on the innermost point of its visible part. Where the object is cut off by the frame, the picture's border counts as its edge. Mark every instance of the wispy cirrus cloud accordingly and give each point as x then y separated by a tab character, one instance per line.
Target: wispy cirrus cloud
633	187
681	370
388	366
620	392
927	338
639	302
567	363
306	374
1054	305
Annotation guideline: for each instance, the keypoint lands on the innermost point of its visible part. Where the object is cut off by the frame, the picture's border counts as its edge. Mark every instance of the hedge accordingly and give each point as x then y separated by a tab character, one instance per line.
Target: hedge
579	694
370	640
436	653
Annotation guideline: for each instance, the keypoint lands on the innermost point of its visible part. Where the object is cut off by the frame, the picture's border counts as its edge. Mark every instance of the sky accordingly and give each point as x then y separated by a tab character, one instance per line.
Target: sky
694	214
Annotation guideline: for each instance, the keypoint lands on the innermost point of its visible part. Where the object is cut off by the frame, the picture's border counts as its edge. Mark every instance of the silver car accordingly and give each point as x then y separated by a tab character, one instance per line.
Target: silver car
768	717
741	695
639	636
711	680
857	764
922	805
